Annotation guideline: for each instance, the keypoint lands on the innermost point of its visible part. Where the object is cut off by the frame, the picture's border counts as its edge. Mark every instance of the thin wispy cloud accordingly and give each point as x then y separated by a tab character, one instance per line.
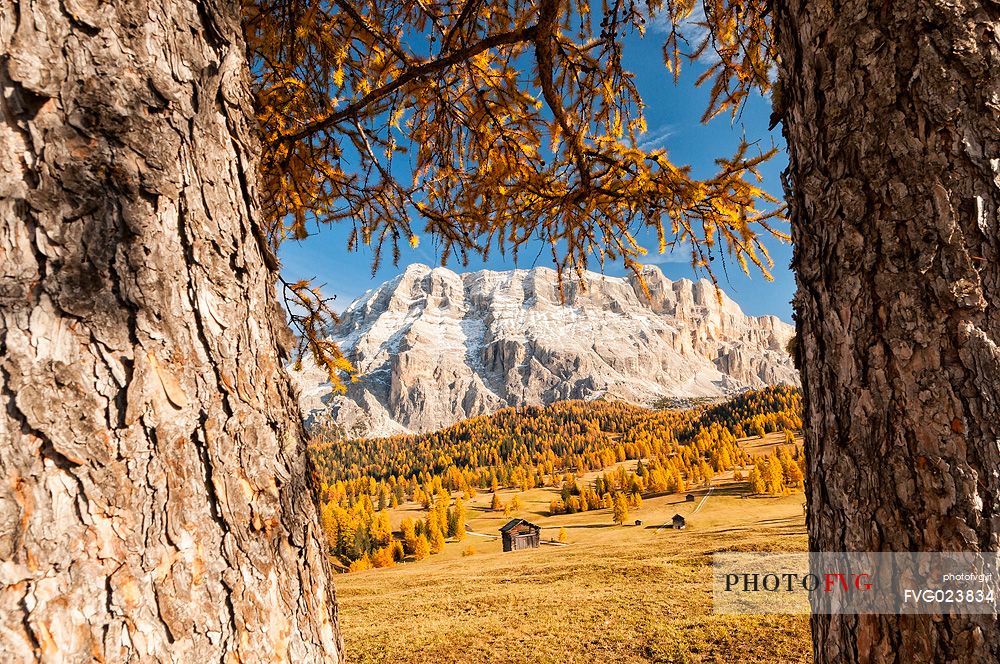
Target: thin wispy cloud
680	253
656	138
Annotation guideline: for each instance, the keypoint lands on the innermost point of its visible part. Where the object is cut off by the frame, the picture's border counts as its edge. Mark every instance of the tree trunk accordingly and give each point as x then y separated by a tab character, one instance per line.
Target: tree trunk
154	503
891	112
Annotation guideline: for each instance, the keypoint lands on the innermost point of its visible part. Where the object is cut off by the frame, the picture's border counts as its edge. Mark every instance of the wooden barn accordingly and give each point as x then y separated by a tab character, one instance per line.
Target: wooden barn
678	522
690	498
520	534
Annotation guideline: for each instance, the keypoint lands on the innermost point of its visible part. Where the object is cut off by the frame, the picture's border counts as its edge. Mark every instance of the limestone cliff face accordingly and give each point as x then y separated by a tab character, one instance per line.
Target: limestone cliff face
435	347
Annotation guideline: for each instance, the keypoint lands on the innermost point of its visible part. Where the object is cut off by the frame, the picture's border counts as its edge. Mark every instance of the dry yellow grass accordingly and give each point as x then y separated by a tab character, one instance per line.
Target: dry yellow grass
613	594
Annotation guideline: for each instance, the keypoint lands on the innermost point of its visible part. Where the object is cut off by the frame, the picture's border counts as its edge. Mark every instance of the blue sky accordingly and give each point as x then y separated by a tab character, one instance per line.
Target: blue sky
673	115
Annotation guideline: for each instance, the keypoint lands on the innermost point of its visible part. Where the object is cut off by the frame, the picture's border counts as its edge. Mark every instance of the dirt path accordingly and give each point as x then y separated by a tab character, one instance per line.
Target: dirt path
696	509
469	532
710	490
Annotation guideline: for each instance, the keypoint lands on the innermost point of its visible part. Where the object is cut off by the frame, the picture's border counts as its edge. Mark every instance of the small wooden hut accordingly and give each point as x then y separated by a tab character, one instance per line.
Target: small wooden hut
520	534
679	522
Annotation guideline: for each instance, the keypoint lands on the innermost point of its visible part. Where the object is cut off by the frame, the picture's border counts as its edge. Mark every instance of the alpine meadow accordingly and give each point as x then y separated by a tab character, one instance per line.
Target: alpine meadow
547	446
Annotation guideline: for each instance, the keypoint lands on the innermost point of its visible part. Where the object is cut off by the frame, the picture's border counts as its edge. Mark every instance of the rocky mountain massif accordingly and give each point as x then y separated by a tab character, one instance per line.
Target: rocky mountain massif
435	347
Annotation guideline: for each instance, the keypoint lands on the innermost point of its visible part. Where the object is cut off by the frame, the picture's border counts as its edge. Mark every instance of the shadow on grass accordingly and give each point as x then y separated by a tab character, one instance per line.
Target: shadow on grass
784	519
733	489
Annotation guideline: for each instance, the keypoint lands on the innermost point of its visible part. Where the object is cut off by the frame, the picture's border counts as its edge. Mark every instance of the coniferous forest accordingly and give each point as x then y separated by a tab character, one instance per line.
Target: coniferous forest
358	480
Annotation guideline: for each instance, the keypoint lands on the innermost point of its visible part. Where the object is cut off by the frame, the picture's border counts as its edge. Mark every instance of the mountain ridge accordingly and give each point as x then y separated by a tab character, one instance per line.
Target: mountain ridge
435	346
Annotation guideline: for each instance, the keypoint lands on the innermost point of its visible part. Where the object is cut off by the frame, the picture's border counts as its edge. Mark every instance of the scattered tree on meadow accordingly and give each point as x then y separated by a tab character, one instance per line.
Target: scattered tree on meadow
422	548
790	468
381	531
773	475
456	520
436	539
776	473
383	557
361	564
409	534
619	509
757	483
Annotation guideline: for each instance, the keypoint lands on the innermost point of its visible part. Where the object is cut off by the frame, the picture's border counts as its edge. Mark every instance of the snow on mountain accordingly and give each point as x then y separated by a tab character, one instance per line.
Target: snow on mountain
434	347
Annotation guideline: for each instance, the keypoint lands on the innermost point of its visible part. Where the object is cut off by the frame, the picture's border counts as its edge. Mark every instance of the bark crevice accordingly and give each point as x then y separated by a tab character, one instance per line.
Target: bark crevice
152	496
891	122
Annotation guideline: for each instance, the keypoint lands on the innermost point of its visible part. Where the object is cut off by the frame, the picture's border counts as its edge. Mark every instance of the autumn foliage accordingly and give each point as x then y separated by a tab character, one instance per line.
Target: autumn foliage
524	448
778	473
487	126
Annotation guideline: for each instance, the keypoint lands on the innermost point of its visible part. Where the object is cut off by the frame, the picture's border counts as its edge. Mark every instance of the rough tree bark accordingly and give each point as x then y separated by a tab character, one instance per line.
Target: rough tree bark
892	116
153	497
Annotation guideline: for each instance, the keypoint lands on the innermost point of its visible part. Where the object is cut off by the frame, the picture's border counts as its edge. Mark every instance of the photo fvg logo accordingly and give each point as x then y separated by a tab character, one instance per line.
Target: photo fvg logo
788	582
856	583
